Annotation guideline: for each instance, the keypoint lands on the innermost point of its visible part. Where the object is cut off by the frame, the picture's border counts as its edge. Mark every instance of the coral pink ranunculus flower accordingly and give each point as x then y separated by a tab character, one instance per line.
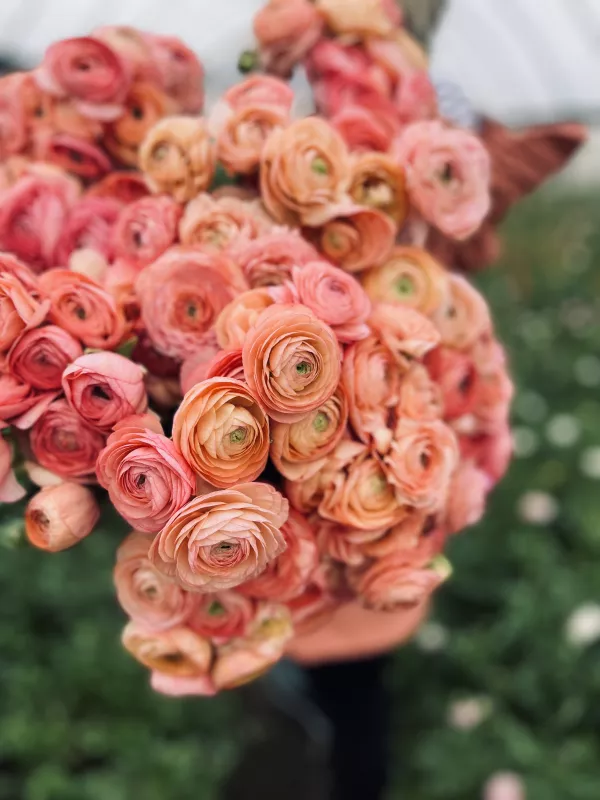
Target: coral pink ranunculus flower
19	311
268	260
241	135
214	224
64	444
13	120
466	499
226	364
145	229
286	30
260	90
221	616
421	461
406	332
145	594
288	576
222	432
447	176
181	294
304	172
146	478
396	582
88	226
10	489
125	185
75	155
236	319
83	308
455	373
104	388
175	653
355	237
59	517
419	397
292	362
181	73
362	128
20	404
465	315
41	356
223	538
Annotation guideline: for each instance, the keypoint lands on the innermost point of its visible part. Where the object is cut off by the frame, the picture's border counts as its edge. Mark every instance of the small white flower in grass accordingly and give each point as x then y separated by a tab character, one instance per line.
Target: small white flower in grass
525	442
589	463
432	637
587	371
583	626
468	713
563	430
538	508
504	786
531	406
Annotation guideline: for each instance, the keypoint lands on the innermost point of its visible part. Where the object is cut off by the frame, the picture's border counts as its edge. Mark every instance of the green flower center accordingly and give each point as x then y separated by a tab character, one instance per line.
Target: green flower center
319	166
237	436
405	286
321	422
215	609
303	368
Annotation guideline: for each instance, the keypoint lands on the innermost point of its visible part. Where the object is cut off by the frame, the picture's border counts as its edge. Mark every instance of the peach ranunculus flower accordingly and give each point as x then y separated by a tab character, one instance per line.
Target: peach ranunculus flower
286	30
335	297
398	582
292	362
19	311
410	276
288	576
10	489
421	461
269	259
221	616
260	90
243	660
465	315
181	294
222	539
356	491
305	170
226	364
222	432
448	176
144	106
41	356
406	332
178	157
420	397
145	229
236	319
62	442
372	381
83	308
214	224
359	18
378	182
146	478
104	388
149	598
59	517
469	488
299	449
355	237
177	654
241	134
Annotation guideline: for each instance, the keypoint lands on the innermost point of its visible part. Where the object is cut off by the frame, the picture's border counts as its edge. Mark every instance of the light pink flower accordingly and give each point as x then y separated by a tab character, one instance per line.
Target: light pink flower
466	499
13	119
181	73
59	517
260	90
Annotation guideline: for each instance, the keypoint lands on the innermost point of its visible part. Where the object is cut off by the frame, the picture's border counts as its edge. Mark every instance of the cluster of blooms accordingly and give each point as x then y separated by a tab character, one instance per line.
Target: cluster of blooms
289	408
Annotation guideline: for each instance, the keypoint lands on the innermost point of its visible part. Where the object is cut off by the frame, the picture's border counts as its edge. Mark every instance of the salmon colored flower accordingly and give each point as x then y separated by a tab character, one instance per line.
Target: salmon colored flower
406	332
62	443
59	517
124	186
104	388
90	72
13	119
316	605
174	686
417	534
181	73
19	311
421	461
285	31
396	582
176	653
181	295
145	594
236	319
20	404
178	157
226	364
241	135
304	172
356	491
409	276
75	155
447	175
145	229
299	449
268	260
465	315
144	106
378	182
466	498
361	18
337	542
215	224
88	226
288	576
355	237
132	48
195	368
420	398
455	374
146	478
12	266
371	378
222	432
361	127
222	539
221	616
83	308
41	356
292	362
10	489
260	90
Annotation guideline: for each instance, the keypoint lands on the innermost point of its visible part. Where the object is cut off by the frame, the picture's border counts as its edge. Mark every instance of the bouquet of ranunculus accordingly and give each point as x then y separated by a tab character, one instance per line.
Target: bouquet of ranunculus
218	328
370	79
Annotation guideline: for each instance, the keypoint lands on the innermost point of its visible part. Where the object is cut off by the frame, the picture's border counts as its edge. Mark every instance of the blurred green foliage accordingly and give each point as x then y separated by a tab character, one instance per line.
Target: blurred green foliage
79	722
